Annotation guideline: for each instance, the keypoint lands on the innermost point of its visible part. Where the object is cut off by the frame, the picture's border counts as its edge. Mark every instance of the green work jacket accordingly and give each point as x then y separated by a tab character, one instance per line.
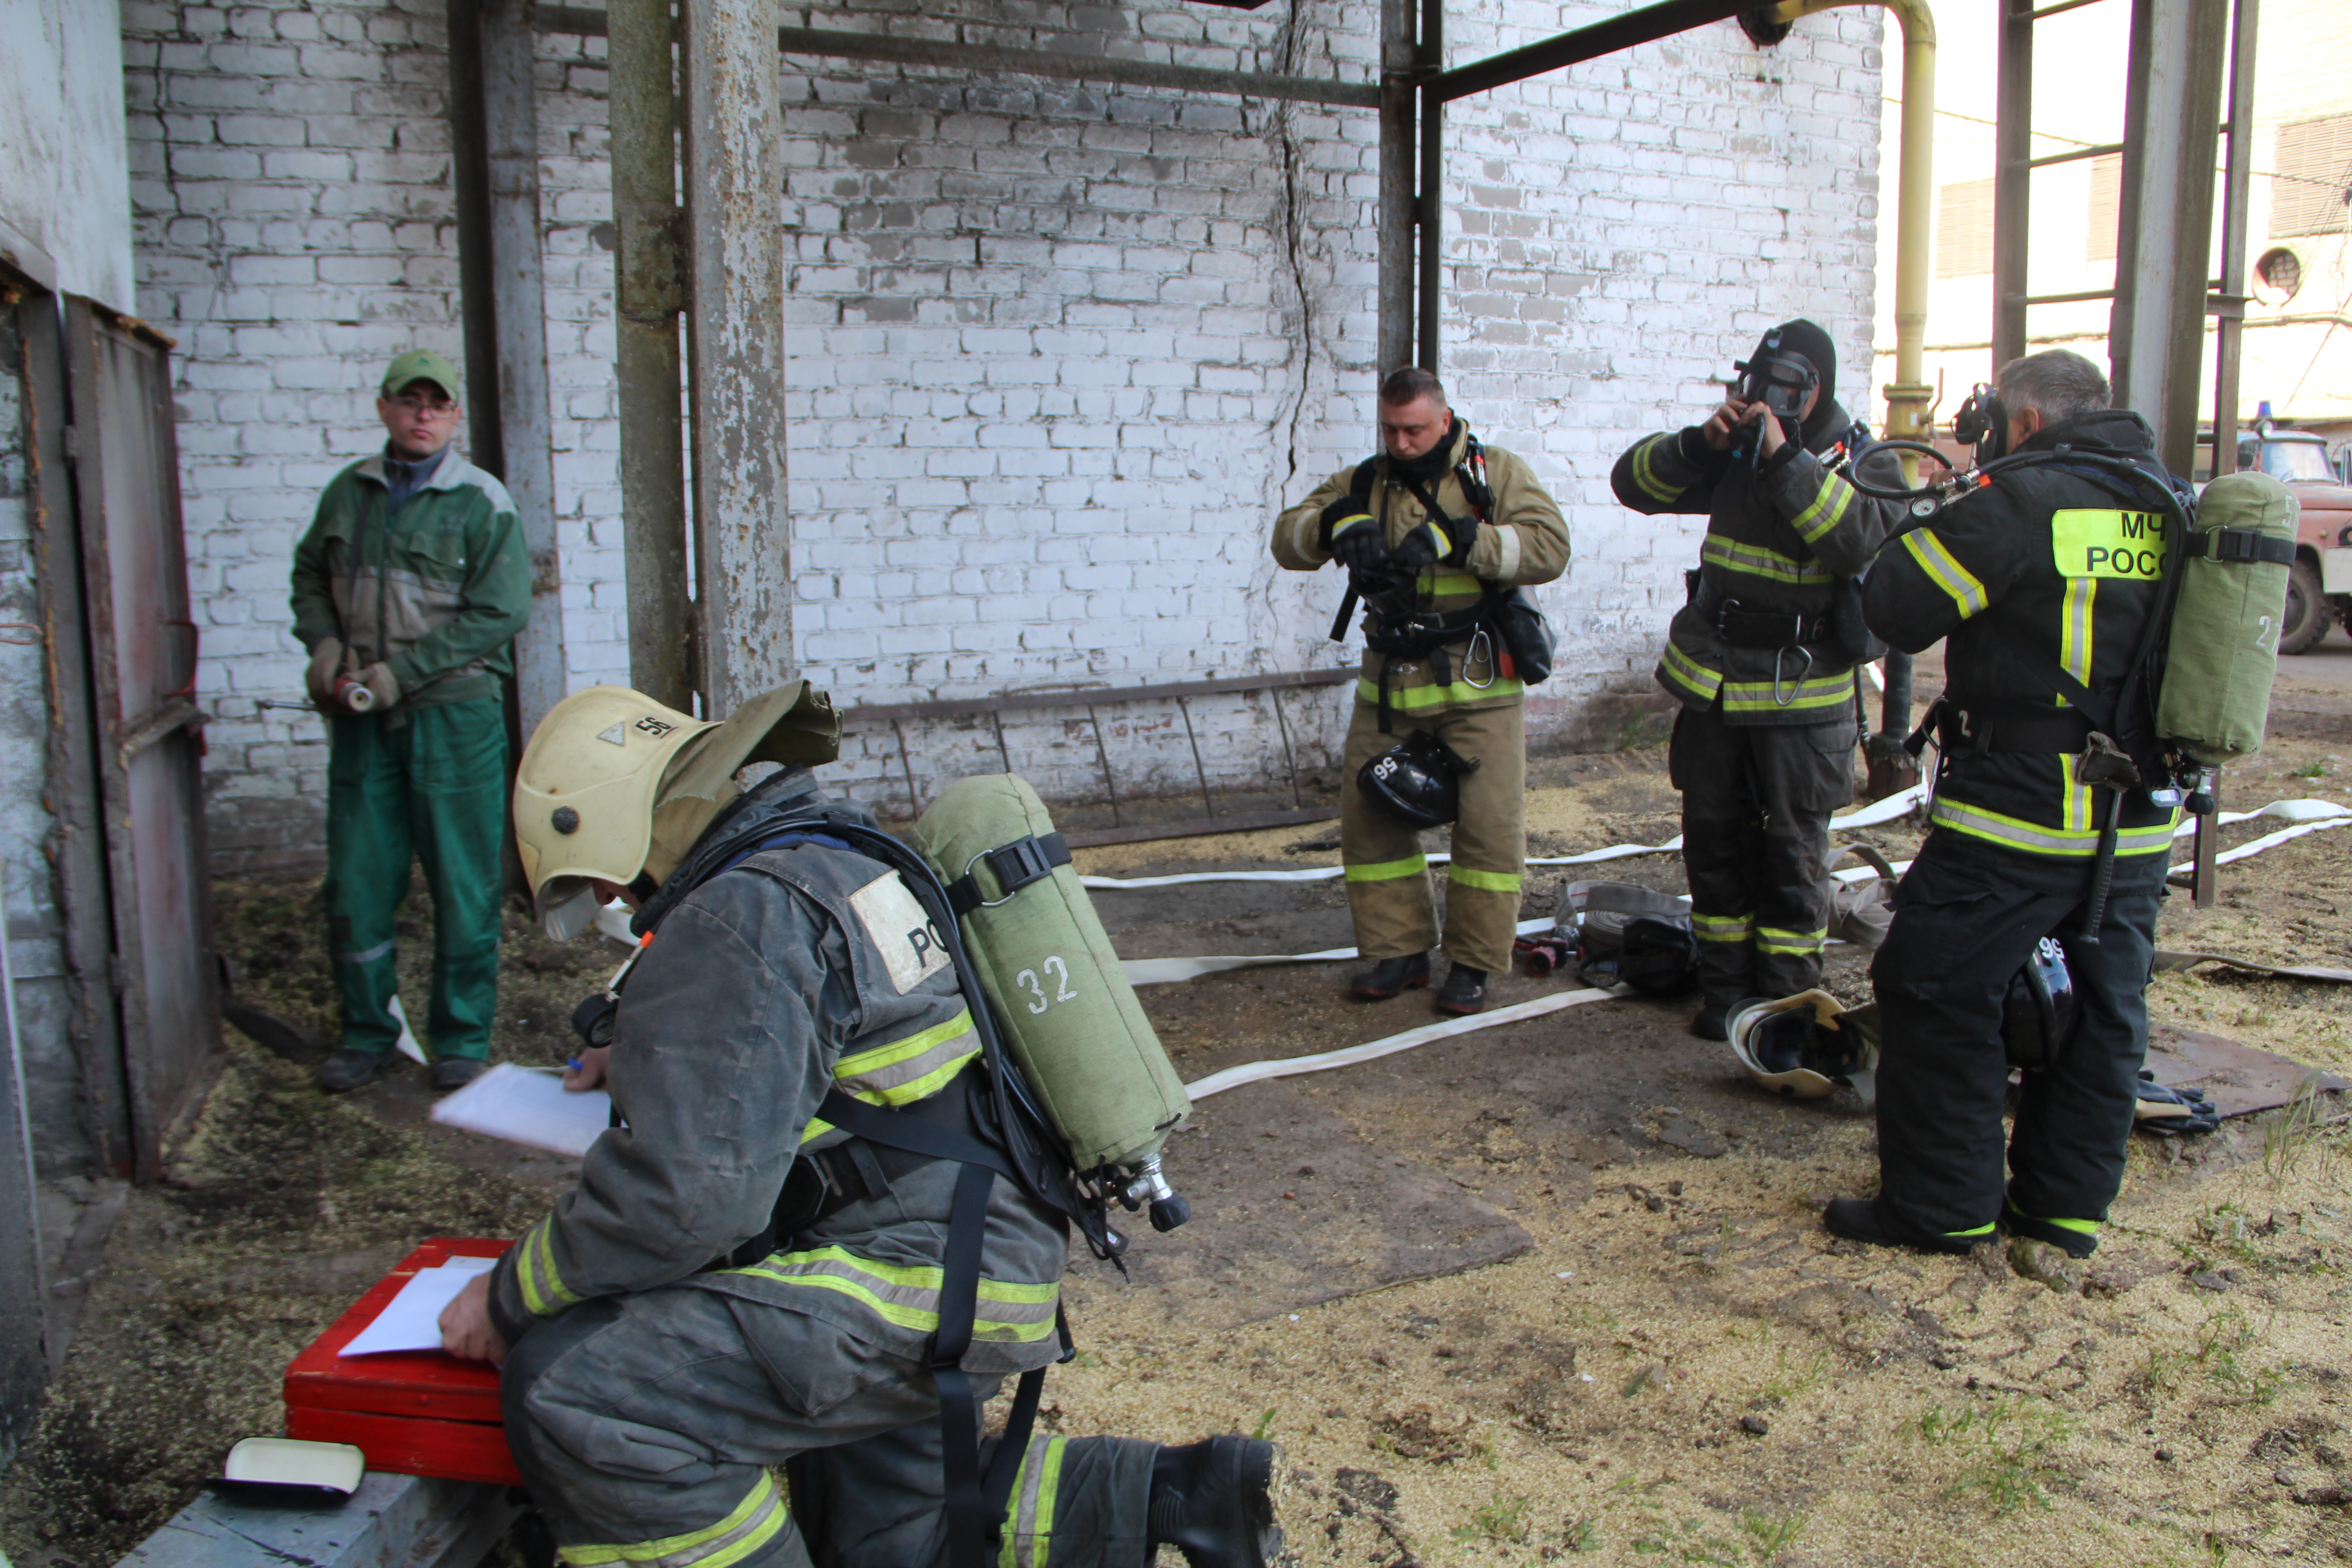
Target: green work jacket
436	591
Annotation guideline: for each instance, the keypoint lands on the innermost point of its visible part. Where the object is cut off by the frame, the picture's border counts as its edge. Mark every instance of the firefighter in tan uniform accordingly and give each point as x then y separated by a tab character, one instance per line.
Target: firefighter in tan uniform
1431	533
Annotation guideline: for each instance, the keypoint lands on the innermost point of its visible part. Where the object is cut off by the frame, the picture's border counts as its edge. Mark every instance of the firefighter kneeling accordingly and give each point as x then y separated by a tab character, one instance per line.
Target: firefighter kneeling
670	1331
2081	705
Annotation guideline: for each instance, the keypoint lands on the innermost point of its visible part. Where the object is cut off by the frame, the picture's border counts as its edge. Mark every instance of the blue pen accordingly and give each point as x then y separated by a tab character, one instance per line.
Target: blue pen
571	1062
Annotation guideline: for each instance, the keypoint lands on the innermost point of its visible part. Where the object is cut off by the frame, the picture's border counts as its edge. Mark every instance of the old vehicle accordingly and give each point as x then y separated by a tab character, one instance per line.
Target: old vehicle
2319	587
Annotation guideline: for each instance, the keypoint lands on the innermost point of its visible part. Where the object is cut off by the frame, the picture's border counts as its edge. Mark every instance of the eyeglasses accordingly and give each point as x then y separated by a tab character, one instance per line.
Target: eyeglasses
419	406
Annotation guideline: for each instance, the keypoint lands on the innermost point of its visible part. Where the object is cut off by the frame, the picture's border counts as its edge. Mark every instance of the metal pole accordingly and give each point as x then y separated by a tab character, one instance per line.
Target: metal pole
1431	209
649	292
502	292
1396	210
2012	180
734	178
2171	116
2229	328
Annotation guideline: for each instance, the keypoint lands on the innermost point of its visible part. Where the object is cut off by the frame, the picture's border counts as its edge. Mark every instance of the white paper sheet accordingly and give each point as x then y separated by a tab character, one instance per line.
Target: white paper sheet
410	1320
528	1107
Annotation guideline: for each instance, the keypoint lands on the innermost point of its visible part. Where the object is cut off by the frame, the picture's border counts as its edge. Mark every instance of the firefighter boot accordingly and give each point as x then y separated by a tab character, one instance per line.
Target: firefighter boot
1210	1500
1391	977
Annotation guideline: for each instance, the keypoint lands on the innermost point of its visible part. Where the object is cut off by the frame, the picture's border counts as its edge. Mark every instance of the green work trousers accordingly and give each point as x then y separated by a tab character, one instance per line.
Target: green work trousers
1388	875
431	783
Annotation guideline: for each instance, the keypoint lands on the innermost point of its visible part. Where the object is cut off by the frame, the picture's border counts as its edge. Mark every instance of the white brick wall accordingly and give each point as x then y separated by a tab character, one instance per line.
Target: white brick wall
1057	350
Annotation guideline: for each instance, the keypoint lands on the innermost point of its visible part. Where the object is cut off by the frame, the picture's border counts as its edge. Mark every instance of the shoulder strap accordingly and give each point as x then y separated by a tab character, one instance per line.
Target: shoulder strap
1360	483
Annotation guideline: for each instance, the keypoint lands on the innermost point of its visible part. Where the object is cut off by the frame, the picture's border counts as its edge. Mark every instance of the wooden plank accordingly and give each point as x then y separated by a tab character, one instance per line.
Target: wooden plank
2240	1079
1240	822
391	1521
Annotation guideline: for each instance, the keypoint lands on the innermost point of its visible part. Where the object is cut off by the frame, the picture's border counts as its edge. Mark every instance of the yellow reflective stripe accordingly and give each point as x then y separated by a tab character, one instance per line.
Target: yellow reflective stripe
1683	670
1827	511
910	1069
1492	881
1345	523
1647	476
1757	560
1723	928
1412	698
1757	696
543	1290
1412	864
2034	838
1029	1541
1770	939
1434	582
1943	569
2074	629
752	1524
909	1295
1972	1230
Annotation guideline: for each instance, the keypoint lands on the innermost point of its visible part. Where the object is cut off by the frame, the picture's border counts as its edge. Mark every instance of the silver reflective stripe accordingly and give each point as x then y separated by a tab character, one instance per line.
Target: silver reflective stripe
369	956
1029	1540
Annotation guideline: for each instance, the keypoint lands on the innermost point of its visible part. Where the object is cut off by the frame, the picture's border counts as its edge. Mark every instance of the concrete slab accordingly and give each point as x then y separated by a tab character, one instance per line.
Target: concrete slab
1292	1207
391	1521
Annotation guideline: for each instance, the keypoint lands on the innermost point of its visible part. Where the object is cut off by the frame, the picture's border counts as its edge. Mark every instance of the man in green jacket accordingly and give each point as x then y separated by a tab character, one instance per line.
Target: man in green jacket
408	591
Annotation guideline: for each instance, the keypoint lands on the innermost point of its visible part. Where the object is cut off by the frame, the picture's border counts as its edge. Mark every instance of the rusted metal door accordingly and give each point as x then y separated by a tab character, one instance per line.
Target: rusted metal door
143	644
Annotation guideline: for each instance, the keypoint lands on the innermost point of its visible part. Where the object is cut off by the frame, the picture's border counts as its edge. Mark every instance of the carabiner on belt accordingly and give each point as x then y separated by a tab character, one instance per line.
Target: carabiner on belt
1472	656
1778	653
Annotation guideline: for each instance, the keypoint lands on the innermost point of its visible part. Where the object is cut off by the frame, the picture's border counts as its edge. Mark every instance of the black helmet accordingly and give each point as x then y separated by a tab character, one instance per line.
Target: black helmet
1417	782
2037	1015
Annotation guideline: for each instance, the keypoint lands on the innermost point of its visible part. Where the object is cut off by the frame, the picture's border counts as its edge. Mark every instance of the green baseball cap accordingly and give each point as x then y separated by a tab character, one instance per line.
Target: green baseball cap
422	364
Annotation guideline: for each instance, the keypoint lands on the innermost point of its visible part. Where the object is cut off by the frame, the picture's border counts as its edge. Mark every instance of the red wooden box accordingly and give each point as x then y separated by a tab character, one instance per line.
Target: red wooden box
413	1412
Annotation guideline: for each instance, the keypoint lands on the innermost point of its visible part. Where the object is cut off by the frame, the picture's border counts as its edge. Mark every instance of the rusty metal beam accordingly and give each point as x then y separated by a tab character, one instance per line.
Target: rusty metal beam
824	43
734	183
649	292
1606	37
1396	211
1022	702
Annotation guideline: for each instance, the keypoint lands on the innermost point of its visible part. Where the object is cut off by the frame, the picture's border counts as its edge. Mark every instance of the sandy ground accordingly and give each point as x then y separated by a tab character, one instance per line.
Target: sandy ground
1671	1362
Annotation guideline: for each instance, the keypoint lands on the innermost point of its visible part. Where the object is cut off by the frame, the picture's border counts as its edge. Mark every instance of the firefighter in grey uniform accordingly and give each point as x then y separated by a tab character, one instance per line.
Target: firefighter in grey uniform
663	1347
1763	745
2041	584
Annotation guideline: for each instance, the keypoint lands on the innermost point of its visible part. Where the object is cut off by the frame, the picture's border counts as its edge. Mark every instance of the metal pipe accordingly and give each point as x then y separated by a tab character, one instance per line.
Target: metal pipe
1431	208
955	54
734	168
469	177
2012	190
1396	212
649	294
1645	26
2172	113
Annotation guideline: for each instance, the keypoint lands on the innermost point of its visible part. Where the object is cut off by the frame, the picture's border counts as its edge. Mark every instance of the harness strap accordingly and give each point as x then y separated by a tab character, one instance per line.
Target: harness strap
975	1502
1014	866
2240	544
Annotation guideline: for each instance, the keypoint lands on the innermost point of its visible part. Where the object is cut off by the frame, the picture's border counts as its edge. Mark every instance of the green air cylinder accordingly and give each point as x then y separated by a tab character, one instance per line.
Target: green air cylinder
1069	1015
2222	648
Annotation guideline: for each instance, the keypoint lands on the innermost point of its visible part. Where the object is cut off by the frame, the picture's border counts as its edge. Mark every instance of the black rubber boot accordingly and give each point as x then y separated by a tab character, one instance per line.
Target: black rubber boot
1465	992
349	1069
1712	1023
1210	1500
1391	975
1858	1219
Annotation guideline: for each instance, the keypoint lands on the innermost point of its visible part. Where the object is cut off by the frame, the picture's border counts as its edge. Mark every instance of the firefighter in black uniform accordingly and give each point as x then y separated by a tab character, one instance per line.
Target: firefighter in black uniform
2041	584
1763	747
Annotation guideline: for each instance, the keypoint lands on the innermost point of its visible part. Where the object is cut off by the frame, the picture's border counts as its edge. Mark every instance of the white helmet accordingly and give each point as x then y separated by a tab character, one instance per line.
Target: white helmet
614	785
1807	1045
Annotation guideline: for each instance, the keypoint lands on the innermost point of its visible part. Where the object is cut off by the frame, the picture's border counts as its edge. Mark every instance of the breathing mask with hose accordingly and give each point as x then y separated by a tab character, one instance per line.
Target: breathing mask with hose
1781	379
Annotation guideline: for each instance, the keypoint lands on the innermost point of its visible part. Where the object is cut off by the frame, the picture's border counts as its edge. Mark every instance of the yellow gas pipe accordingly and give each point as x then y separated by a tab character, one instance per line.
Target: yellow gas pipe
1907	395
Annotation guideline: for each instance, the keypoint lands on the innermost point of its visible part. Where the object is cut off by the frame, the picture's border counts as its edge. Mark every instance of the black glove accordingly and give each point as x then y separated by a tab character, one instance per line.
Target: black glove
2173	1112
1353	536
1432	543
